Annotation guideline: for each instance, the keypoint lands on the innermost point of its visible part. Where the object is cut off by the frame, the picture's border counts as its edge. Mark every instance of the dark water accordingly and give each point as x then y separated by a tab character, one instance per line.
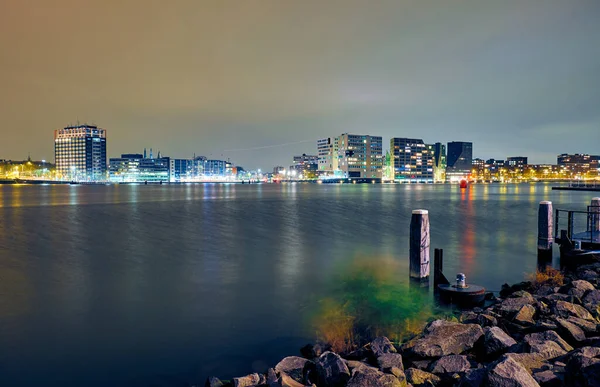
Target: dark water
164	285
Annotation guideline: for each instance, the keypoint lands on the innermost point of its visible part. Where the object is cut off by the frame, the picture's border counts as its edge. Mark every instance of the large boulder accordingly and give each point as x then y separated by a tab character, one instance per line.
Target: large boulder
442	338
213	381
589	327
592	301
566	309
382	345
371	377
509	373
548	344
388	360
496	341
525	315
246	381
570	331
583	371
474	378
296	367
532	362
577	288
515	302
332	370
450	364
548	378
421	378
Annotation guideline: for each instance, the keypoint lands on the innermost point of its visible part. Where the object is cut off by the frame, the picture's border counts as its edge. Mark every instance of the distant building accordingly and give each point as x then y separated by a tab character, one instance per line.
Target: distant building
412	160
278	170
360	156
218	168
459	159
327	155
182	170
518	161
305	165
579	164
80	152
135	168
439	162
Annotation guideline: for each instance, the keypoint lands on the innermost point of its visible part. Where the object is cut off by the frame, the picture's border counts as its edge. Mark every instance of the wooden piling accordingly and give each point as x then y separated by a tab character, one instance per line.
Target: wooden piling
419	245
595	210
545	228
438	269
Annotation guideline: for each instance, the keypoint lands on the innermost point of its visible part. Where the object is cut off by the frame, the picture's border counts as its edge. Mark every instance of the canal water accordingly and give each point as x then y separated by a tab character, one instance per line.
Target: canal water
164	285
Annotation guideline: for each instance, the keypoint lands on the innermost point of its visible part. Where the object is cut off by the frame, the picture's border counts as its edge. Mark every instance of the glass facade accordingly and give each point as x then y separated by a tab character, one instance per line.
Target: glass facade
412	160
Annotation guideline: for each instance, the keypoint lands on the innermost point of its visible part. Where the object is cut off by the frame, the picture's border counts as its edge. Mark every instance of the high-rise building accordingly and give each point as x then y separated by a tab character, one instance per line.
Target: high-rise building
579	164
80	152
460	159
439	162
327	155
360	156
305	165
412	160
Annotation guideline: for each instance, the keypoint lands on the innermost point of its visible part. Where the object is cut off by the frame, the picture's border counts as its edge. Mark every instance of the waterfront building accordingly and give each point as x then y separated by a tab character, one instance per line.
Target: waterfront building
182	170
80	152
412	160
360	156
217	168
439	162
459	159
327	155
278	170
579	165
519	161
305	165
135	168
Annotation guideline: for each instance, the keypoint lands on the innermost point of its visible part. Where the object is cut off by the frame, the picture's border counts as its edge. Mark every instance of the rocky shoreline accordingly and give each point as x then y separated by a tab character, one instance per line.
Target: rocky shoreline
536	334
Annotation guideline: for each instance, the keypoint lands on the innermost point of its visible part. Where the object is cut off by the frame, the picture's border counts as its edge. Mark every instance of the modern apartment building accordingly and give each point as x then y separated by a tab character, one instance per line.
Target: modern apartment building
460	160
327	156
439	162
412	160
360	156
80	153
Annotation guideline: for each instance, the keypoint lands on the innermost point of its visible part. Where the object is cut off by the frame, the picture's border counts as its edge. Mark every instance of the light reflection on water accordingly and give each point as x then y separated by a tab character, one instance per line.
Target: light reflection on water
128	284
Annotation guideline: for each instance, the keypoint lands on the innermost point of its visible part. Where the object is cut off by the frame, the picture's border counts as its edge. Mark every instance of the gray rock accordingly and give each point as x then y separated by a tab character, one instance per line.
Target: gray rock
496	341
248	380
474	378
294	367
592	300
572	332
450	364
354	364
566	309
548	379
582	371
398	373
577	288
421	378
525	315
388	360
423	365
213	381
271	376
332	370
558	297
530	361
548	344
587	352
585	325
509	373
444	338
382	345
513	305
369	378
286	381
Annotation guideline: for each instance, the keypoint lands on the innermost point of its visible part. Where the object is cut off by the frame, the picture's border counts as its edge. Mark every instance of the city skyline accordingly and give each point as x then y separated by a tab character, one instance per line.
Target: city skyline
241	79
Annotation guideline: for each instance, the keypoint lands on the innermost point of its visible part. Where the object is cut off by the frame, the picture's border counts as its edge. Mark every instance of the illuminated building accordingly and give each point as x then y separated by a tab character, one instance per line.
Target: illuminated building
459	159
135	168
305	165
412	160
80	152
327	155
439	162
519	161
579	164
360	156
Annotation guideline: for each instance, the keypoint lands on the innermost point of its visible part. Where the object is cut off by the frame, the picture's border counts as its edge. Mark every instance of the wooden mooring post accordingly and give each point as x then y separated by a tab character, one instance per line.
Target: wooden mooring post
420	241
595	219
545	229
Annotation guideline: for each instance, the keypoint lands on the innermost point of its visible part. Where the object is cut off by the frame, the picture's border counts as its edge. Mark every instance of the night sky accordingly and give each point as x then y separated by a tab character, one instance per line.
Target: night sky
234	78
